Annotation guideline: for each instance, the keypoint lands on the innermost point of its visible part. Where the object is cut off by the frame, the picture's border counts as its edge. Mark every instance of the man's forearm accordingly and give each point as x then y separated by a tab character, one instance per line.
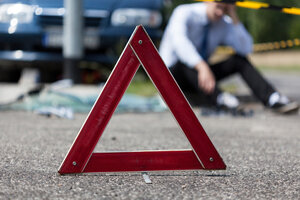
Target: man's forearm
231	11
235	18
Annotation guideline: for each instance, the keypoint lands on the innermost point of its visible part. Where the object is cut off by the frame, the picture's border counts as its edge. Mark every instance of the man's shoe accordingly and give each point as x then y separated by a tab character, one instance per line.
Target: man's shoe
285	108
227	101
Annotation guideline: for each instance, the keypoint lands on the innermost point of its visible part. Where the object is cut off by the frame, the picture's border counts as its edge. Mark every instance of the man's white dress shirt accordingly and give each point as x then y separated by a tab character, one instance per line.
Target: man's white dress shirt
184	34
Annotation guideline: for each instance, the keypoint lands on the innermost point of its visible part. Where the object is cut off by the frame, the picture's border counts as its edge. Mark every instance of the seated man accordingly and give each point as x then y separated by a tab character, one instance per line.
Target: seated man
191	36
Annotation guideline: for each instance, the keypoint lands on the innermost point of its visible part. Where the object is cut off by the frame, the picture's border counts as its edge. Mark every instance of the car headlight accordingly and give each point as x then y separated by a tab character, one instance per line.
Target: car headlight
133	17
21	13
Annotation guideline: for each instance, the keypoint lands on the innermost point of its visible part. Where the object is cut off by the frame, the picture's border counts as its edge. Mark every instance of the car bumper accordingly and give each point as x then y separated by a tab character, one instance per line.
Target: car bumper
35	56
127	31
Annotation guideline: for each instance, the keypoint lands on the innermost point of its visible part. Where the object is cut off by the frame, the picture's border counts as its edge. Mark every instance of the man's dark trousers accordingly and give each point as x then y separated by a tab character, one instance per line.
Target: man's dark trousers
187	78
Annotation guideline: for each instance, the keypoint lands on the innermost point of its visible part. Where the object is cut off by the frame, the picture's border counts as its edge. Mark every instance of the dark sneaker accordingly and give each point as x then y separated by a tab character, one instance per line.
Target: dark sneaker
287	108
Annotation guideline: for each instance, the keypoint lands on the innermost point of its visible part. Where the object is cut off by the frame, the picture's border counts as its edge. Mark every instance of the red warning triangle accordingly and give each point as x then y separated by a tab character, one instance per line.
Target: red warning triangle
140	50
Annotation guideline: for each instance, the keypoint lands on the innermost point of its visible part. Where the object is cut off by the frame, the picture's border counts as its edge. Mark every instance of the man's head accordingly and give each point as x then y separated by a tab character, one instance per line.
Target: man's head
215	11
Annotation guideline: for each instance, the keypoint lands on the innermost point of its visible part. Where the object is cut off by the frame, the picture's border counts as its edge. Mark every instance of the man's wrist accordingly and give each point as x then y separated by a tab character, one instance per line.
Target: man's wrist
200	66
233	14
235	18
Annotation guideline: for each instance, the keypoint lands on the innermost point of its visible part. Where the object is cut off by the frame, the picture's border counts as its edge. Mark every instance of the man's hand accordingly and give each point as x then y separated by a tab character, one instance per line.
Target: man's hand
206	79
231	12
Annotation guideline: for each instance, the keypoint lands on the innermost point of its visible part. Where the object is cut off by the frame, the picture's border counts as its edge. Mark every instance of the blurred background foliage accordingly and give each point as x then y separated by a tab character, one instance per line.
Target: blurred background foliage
265	25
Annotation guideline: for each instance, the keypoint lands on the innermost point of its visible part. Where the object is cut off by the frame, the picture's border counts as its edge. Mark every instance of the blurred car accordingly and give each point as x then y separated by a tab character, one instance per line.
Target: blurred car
31	30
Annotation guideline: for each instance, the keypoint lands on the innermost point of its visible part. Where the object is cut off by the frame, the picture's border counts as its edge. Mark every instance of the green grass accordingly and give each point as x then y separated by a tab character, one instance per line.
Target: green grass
280	68
143	88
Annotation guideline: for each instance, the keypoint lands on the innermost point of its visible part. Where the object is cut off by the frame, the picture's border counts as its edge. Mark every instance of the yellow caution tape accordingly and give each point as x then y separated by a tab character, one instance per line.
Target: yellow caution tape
293	11
269	46
251	5
258	5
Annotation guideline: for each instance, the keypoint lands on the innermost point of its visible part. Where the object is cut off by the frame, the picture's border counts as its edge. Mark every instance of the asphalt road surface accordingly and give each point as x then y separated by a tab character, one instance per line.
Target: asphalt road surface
261	153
